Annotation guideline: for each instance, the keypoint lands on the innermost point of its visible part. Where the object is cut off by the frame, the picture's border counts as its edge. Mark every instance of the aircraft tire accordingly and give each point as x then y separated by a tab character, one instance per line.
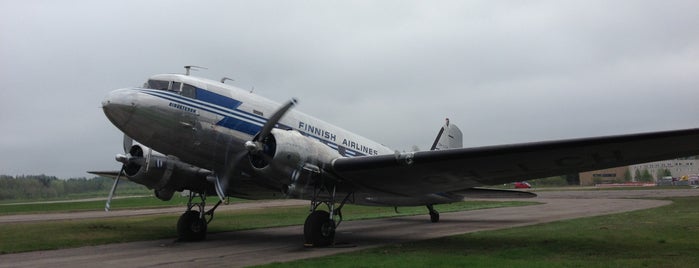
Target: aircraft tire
319	229
190	227
434	216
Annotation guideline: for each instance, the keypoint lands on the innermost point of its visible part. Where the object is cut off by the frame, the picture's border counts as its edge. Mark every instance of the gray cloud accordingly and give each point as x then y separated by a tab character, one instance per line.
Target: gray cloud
504	72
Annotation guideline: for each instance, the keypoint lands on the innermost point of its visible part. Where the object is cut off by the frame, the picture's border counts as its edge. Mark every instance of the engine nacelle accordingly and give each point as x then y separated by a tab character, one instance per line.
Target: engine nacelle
291	160
164	174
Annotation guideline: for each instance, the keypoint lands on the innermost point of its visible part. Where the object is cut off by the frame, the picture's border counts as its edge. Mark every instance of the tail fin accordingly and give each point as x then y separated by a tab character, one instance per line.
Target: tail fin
449	137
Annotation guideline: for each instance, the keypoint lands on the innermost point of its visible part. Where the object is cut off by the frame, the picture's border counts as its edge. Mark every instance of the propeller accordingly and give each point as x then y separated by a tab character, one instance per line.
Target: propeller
127	143
222	182
107	206
253	147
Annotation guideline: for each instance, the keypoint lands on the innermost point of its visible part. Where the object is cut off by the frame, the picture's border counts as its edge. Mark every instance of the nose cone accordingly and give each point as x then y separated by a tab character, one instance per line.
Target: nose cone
119	106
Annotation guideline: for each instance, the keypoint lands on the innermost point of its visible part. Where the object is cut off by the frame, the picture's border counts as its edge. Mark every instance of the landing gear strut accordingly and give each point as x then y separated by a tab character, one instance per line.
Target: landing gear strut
319	228
193	223
434	215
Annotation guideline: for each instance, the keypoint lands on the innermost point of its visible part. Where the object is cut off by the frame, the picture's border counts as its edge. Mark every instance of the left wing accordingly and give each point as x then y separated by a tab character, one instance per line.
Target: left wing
450	170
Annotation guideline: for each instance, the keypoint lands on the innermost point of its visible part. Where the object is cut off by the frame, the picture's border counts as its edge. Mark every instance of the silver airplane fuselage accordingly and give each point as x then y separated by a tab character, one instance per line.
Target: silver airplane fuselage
205	123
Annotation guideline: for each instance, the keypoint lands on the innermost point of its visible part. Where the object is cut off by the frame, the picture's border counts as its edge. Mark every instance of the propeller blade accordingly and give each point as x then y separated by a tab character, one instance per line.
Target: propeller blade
127	143
274	119
223	182
219	189
111	192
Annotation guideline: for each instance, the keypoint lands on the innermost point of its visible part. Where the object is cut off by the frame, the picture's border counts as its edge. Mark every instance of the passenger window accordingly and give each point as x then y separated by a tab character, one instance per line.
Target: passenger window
189	91
157	84
176	87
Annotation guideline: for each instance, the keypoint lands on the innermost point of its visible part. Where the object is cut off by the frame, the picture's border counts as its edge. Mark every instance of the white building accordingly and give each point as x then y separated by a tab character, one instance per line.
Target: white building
678	167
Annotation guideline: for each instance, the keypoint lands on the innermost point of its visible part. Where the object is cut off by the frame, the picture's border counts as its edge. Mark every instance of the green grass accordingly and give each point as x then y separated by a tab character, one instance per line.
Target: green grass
126	203
83	195
97	205
662	237
21	237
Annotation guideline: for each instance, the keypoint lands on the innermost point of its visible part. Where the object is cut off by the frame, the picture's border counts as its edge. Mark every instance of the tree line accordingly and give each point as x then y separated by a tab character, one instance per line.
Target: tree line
30	187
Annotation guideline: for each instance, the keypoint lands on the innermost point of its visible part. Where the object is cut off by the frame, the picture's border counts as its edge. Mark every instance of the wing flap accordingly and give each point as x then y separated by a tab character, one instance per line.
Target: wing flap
457	169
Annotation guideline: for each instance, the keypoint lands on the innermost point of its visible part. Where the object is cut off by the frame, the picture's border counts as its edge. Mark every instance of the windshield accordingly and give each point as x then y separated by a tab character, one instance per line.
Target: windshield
158	84
186	90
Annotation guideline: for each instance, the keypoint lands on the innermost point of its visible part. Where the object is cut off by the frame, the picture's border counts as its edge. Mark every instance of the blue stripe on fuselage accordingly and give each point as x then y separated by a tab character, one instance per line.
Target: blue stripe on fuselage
223	111
239	125
233	118
220	100
229	120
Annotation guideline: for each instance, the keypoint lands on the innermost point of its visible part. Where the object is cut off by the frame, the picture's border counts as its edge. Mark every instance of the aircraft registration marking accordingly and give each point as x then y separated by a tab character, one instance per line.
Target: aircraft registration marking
183	108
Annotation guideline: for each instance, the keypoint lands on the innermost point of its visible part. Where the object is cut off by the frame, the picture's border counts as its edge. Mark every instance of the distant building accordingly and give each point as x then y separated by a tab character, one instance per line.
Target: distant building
678	168
610	175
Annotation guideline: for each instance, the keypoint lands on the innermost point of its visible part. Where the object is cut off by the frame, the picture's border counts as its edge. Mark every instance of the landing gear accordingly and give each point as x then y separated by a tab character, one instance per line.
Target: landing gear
434	215
191	227
319	228
192	224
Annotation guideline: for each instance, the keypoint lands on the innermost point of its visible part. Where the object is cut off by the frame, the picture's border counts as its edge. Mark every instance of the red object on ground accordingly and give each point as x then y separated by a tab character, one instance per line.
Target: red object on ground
522	185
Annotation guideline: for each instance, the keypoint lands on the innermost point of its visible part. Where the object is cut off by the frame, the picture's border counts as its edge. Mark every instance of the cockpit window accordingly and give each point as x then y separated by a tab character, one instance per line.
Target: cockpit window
183	89
176	87
158	84
189	91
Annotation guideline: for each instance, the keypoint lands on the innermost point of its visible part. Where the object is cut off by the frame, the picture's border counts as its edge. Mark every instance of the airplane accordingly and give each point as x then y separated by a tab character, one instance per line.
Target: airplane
186	133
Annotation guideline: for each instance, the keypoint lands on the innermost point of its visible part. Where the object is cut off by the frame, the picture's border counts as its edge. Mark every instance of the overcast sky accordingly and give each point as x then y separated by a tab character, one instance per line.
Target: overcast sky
503	71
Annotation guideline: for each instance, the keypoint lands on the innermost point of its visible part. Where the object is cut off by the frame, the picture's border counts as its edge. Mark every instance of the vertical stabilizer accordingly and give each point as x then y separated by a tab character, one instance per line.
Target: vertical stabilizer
449	137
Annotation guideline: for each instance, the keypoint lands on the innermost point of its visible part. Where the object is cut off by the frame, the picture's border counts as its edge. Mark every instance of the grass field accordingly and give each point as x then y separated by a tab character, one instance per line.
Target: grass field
662	237
21	237
126	203
96	205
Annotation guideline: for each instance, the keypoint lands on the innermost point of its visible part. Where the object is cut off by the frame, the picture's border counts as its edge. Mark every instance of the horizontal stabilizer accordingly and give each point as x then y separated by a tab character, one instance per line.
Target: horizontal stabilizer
494	193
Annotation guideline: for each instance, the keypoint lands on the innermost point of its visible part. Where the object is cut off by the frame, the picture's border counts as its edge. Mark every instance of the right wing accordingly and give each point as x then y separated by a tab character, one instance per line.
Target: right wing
428	172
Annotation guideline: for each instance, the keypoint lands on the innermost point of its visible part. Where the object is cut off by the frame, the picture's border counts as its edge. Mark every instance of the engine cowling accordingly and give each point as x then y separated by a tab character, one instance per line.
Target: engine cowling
164	174
290	160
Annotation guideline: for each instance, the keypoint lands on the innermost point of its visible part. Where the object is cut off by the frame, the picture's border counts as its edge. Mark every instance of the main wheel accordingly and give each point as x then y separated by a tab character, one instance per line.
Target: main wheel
319	229
190	227
434	216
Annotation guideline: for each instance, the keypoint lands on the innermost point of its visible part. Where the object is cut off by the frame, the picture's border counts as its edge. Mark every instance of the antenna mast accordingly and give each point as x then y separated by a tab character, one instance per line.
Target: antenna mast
192	68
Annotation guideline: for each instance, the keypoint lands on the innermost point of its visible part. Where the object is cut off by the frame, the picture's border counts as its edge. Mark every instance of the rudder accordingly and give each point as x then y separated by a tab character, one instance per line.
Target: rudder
449	137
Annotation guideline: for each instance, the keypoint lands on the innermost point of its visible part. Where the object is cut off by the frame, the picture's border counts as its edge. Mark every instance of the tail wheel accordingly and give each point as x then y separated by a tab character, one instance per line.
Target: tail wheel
190	227
319	229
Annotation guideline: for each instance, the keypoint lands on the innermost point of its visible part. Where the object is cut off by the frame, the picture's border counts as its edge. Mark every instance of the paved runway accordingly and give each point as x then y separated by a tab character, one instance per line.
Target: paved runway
284	244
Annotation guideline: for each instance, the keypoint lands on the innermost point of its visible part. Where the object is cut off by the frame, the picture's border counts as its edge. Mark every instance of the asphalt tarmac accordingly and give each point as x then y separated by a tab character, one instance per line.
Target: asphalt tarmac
253	247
